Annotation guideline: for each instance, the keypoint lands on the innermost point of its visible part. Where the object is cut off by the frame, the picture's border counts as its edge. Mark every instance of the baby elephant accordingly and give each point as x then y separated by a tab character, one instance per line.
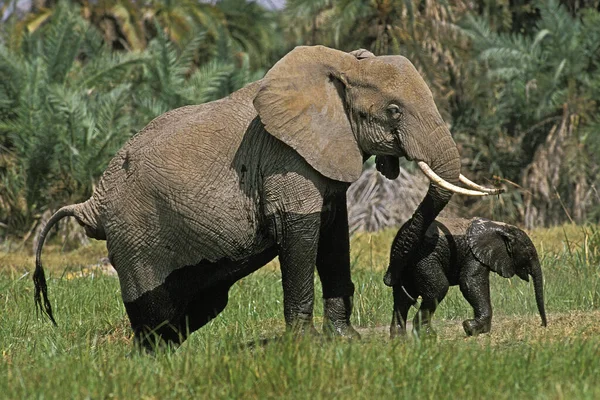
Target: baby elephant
462	252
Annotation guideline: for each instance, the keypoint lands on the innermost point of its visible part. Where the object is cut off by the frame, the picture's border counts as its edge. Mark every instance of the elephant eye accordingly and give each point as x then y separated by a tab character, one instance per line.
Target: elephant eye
394	111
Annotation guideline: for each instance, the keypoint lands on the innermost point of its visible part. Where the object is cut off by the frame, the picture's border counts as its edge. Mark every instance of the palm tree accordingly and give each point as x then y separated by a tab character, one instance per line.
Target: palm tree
542	110
173	79
63	113
254	31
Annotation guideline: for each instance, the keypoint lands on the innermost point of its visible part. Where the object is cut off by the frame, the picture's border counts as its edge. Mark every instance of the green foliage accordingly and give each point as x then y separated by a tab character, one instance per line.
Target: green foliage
532	110
172	79
62	116
253	32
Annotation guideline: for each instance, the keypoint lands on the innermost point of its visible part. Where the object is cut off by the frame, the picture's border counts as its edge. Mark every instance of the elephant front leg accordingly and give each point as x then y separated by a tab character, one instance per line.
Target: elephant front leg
475	286
333	265
297	255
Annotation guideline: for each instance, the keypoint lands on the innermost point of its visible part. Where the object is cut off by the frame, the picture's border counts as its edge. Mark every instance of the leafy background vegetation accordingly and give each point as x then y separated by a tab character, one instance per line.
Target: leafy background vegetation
518	82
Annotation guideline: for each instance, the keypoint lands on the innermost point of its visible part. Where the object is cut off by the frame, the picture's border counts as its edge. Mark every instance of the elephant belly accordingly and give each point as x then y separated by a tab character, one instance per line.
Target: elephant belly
219	235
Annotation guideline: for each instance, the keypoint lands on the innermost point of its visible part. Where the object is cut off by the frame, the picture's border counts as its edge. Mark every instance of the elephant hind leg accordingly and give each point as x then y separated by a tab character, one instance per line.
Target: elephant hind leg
164	316
403	301
204	306
433	290
188	299
154	317
422	320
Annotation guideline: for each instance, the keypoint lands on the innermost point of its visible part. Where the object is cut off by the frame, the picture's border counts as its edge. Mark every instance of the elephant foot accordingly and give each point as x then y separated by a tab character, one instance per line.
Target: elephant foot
343	330
397	331
425	331
473	327
336	321
302	326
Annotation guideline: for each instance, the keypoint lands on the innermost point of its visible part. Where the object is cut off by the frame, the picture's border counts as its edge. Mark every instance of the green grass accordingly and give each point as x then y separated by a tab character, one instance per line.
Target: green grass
244	353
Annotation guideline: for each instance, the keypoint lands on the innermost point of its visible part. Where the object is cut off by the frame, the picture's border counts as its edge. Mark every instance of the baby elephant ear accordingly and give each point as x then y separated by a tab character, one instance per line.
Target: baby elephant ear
491	243
301	101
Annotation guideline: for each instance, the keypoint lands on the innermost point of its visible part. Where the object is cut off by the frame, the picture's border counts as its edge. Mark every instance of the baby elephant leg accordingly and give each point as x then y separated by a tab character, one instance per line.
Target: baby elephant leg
403	301
422	320
433	290
475	286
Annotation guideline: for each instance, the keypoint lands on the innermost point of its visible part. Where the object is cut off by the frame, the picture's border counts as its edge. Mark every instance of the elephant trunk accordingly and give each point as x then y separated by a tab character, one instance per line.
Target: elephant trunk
408	238
412	232
538	285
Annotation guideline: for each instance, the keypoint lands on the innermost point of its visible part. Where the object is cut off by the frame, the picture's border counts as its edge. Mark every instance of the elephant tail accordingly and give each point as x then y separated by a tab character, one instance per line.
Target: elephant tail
87	218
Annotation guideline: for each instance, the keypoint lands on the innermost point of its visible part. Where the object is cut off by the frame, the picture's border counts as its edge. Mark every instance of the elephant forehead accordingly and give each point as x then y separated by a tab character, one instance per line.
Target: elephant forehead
396	77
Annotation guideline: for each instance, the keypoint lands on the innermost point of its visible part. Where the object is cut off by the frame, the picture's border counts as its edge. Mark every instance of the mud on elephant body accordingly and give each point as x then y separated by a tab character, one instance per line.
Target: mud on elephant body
462	252
204	195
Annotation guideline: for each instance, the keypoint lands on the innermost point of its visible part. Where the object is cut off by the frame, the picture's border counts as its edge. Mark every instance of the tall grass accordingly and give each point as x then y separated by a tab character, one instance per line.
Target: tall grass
244	352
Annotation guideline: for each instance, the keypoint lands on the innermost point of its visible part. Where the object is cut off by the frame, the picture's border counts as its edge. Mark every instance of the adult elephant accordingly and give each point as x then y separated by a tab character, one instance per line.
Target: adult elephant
206	194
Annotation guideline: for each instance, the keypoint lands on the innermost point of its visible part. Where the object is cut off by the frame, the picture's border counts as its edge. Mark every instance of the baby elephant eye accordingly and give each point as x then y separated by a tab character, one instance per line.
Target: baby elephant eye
394	111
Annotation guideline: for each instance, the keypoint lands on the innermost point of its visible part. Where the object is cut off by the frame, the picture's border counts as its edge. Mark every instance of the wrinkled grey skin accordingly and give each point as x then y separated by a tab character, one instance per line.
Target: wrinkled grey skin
204	195
462	252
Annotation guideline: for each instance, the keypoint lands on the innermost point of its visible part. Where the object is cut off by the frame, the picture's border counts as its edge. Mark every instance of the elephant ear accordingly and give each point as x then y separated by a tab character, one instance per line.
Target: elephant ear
491	243
389	166
301	102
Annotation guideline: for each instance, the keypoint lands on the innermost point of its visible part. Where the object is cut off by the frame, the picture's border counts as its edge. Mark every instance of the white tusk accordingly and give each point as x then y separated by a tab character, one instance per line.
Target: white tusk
475	186
433	177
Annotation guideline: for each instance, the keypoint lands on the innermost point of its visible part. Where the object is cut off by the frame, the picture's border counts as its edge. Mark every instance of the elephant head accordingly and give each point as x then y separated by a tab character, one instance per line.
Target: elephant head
335	108
507	250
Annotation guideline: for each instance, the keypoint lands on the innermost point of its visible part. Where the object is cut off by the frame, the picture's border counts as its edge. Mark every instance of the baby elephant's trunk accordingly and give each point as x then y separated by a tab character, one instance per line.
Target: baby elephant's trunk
538	285
86	216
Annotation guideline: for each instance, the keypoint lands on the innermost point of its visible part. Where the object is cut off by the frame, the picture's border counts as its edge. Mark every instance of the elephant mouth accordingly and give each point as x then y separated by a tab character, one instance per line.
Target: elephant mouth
400	147
473	188
476	190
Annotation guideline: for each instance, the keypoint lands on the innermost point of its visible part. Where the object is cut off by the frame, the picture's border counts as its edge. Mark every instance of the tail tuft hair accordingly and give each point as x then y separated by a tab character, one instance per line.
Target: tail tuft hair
41	291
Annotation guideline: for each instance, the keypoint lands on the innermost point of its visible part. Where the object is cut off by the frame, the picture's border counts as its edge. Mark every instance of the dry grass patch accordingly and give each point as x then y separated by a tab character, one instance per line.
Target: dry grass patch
370	251
558	239
54	258
118	333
